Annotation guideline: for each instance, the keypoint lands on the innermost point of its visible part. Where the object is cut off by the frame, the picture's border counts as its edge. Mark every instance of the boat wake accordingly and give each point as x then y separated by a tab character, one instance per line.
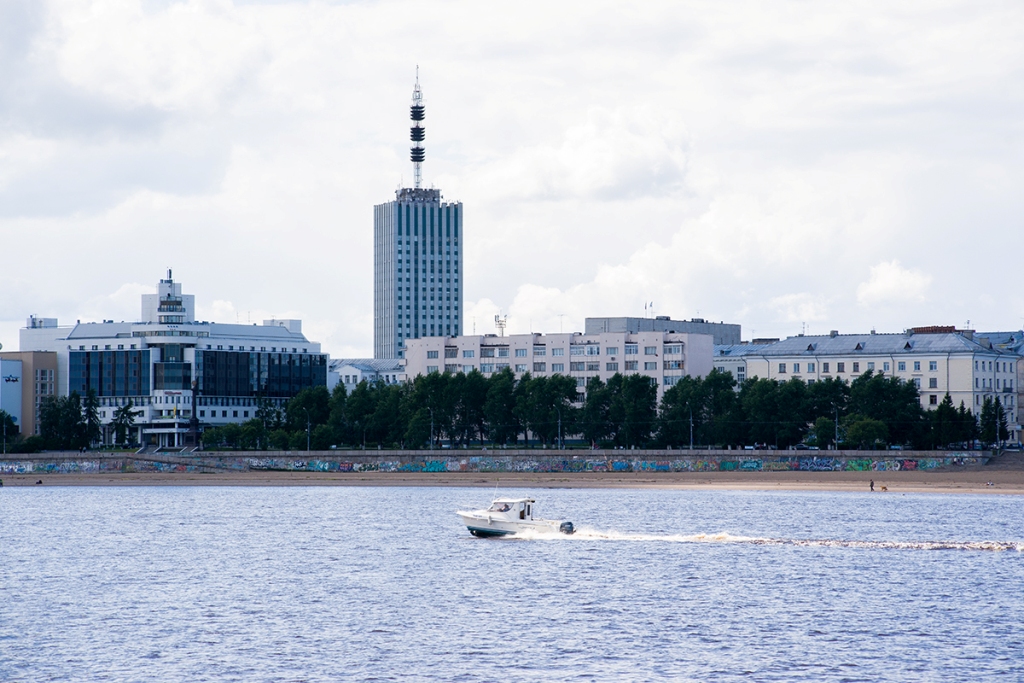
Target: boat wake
585	534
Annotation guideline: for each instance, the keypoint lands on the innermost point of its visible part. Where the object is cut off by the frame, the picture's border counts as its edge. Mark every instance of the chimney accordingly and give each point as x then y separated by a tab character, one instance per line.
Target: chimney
834	333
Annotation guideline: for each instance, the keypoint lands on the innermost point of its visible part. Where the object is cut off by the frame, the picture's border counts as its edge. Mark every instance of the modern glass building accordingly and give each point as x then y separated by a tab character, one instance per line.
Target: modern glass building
417	259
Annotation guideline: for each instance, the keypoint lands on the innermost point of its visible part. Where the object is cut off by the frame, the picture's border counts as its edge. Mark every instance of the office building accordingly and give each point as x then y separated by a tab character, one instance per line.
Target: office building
417	258
722	333
152	363
665	357
27	378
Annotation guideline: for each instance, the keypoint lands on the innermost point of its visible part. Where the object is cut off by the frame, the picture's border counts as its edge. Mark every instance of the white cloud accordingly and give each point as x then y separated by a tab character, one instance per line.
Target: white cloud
747	162
890	284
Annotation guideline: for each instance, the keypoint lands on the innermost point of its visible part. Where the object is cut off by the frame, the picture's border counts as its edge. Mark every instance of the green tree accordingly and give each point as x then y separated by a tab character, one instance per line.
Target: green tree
824	431
9	425
866	433
595	421
499	408
892	401
279	439
123	421
61	423
91	417
336	420
359	409
633	410
944	423
312	404
989	422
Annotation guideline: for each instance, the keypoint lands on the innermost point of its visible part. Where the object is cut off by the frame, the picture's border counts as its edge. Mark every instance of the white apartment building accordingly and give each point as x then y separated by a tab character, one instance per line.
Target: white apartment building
939	360
663	356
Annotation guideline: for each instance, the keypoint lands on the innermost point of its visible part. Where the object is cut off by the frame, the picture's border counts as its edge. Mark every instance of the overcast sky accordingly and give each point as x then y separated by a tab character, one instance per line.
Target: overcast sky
831	165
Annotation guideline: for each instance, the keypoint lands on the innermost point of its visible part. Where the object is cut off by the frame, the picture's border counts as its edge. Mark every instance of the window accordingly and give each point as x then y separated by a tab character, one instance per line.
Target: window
782	368
796	368
558	351
451	353
223	413
917	382
840	367
669	381
611	367
520	353
487	353
824	367
856	366
631	349
487	367
577	367
975	362
673	365
975	382
540	367
234	413
431	354
245	413
871	365
901	366
612	350
810	367
917	366
933	382
503	352
650	350
431	368
593	350
520	368
650	366
630	365
576	350
558	367
468	353
467	368
673	349
933	365
885	367
593	367
540	350
202	413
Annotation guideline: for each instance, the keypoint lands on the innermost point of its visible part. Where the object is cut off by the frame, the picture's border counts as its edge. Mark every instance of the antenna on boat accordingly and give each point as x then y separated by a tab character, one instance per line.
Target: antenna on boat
495	496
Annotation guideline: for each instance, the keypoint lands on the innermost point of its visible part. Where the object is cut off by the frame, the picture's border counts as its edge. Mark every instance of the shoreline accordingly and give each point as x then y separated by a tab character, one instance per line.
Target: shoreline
973	481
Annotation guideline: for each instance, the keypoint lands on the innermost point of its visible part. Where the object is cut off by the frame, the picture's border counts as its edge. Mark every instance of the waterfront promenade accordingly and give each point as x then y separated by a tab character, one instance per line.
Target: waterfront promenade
898	471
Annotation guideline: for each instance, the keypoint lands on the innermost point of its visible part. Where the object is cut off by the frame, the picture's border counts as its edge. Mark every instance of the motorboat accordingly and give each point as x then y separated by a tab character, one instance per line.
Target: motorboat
507	516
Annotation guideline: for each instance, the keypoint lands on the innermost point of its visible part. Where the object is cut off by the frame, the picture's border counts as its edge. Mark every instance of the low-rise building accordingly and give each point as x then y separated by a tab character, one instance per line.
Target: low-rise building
665	357
351	371
153	363
939	360
722	333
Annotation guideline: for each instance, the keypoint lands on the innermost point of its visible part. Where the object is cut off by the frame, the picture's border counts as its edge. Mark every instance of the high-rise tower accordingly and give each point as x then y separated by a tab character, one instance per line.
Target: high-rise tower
417	257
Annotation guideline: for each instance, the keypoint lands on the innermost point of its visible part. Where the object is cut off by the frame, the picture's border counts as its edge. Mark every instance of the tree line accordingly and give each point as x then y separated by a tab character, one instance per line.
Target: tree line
451	410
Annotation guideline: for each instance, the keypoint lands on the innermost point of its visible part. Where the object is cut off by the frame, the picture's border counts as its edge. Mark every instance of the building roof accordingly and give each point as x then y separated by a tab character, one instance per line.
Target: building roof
375	365
738	350
853	345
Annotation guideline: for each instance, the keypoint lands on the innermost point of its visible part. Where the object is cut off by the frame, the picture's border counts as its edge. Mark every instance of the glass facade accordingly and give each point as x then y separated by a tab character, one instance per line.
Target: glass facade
109	373
281	375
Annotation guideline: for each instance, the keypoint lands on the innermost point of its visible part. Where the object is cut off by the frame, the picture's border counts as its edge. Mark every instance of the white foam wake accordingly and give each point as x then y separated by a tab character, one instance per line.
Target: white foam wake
587	534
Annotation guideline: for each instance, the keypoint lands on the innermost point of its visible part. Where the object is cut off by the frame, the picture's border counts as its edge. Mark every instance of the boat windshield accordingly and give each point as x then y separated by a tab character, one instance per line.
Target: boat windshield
500	507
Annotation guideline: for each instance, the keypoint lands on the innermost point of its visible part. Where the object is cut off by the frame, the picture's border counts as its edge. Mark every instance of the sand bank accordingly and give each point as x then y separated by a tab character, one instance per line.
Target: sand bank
973	480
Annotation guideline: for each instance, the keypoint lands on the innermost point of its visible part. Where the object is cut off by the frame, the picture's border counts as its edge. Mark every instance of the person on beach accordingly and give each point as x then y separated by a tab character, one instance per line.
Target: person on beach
872	484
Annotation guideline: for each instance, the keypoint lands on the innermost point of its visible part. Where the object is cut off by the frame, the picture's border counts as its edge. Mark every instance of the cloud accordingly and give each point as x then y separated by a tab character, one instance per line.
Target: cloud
891	284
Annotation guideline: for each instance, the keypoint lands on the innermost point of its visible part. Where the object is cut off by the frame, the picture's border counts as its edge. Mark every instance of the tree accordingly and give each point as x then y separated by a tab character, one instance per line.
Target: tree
824	431
9	425
336	420
944	419
866	433
892	401
989	422
311	404
91	417
595	421
499	408
123	421
61	423
633	410
1002	432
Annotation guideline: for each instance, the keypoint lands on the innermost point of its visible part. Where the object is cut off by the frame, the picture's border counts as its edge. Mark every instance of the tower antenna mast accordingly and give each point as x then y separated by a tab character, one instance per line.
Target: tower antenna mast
417	133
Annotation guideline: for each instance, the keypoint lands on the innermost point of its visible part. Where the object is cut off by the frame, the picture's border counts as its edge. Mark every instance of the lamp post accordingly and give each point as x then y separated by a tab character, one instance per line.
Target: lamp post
308	422
559	411
691	427
835	445
431	428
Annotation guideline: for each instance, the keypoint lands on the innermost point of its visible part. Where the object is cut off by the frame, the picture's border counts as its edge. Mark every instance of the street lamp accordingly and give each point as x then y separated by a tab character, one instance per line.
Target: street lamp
835	445
558	409
308	421
431	428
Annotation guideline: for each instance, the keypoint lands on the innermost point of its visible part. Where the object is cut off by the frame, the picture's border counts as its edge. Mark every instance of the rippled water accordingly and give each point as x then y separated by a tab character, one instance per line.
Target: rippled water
318	584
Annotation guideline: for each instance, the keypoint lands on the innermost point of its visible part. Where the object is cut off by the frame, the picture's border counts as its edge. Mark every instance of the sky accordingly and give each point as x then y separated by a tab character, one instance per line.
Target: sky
788	166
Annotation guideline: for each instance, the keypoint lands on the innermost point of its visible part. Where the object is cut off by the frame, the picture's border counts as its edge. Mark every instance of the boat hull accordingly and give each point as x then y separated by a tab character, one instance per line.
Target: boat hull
494	525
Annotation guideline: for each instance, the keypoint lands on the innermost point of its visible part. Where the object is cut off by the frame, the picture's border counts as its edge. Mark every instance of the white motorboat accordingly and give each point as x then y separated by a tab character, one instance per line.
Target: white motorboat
508	516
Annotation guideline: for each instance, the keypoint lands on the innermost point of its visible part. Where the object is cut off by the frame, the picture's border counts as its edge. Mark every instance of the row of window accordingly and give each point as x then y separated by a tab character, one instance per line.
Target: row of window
560	367
901	366
574	350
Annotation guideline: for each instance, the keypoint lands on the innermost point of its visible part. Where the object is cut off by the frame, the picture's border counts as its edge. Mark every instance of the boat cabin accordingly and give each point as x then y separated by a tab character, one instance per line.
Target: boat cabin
517	508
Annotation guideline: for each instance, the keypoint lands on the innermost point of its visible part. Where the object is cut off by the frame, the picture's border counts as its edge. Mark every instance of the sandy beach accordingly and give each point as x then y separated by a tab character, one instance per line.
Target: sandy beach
966	480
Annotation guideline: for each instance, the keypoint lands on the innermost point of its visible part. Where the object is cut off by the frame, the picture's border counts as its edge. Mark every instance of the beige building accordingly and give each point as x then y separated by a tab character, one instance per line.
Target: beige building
664	356
38	382
939	360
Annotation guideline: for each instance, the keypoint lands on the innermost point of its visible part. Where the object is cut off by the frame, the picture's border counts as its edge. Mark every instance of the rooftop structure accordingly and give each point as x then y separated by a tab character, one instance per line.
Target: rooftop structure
722	333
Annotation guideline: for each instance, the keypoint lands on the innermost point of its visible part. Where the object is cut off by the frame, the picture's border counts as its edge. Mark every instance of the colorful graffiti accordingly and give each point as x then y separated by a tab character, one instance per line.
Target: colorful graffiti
484	464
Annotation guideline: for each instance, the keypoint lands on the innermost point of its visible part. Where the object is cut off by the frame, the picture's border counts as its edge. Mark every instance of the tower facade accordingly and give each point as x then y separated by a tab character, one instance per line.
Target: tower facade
417	258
